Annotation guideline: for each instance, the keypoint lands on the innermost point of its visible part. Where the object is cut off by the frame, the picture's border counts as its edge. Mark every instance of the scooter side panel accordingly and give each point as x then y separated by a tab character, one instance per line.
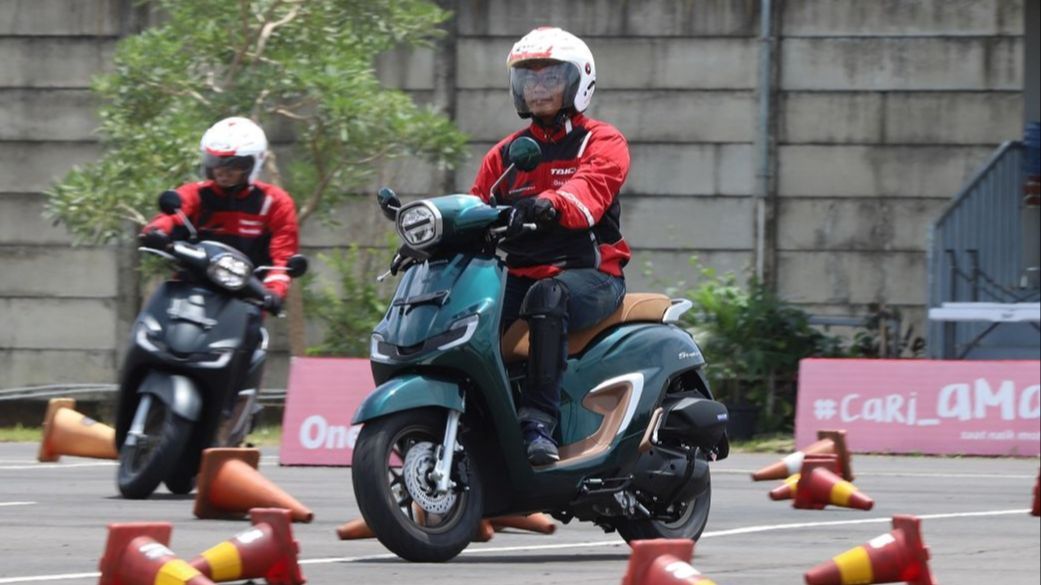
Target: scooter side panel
406	393
655	352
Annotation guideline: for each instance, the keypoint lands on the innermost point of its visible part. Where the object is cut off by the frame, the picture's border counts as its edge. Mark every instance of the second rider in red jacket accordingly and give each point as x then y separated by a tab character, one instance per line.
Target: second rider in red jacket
233	207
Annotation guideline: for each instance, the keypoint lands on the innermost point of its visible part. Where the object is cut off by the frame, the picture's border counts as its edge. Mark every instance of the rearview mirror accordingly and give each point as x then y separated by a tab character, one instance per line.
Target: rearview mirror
525	153
388	202
296	266
169	202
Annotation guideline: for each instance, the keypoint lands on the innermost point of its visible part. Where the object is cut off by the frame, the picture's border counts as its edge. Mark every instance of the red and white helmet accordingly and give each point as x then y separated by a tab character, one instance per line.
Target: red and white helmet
553	45
236	142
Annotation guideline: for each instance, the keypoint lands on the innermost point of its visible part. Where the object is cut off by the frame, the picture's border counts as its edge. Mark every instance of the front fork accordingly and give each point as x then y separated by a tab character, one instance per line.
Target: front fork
137	427
441	474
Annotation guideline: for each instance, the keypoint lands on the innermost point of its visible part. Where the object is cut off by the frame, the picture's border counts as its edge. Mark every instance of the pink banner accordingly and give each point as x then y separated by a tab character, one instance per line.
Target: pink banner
923	406
321	398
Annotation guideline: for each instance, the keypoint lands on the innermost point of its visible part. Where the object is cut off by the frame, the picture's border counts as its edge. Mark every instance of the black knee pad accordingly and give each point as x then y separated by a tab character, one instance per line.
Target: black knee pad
547	297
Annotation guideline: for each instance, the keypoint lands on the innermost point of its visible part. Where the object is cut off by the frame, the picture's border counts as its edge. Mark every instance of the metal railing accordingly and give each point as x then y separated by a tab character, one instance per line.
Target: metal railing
974	251
268	396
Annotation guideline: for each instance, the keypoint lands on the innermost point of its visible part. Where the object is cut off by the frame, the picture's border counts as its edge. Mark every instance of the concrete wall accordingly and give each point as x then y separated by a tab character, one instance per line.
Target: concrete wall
883	109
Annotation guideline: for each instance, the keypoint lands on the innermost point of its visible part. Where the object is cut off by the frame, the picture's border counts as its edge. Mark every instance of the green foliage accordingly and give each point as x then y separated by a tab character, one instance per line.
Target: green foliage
753	342
302	69
350	309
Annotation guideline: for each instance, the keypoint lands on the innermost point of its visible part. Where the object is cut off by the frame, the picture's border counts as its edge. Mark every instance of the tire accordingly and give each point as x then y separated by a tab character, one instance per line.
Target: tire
144	465
180	484
689	526
388	505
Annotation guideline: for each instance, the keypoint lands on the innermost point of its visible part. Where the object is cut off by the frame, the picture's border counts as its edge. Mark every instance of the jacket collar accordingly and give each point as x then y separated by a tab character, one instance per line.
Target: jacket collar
217	190
558	129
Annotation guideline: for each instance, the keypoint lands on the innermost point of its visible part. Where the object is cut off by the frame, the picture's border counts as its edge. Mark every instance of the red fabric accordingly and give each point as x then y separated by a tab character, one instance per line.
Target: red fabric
261	213
581	188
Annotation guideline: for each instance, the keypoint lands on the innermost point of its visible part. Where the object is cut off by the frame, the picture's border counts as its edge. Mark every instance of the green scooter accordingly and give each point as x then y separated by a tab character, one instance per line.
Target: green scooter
441	445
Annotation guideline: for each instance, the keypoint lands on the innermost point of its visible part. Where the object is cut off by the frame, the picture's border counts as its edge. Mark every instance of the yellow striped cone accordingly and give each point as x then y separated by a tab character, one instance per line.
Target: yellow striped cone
898	556
818	487
267	550
786	491
137	554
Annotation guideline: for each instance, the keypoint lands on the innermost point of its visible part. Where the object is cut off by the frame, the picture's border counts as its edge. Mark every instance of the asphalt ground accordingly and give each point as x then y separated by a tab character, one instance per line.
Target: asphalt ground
974	511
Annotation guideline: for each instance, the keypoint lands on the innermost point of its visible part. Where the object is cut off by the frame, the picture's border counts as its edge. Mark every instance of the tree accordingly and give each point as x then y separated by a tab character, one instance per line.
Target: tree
303	69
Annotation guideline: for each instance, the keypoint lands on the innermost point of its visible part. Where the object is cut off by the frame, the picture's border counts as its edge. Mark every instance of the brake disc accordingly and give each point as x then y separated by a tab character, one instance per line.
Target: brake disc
419	462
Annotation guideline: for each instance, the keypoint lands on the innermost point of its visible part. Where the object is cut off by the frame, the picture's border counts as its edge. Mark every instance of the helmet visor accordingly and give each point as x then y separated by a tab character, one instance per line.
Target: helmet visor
537	81
239	163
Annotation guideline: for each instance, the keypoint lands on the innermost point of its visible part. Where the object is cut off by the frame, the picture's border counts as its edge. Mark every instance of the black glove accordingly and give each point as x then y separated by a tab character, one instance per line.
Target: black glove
154	238
272	303
538	210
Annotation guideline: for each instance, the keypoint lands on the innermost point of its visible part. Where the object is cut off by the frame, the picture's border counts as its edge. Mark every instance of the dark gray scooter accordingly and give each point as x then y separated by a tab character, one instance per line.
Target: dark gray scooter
192	371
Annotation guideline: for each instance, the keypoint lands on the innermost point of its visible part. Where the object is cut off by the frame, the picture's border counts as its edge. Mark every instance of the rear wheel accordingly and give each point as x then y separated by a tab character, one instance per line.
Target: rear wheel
689	525
146	459
393	458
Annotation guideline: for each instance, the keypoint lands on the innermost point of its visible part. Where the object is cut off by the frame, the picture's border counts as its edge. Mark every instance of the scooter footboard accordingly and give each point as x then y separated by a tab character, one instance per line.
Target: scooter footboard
409	392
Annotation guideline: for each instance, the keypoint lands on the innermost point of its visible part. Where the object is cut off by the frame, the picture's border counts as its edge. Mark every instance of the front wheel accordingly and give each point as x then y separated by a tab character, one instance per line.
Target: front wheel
393	458
689	525
145	460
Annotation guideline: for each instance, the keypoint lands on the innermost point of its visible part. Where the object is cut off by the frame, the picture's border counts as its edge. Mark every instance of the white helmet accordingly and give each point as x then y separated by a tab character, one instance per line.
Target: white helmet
236	142
551	45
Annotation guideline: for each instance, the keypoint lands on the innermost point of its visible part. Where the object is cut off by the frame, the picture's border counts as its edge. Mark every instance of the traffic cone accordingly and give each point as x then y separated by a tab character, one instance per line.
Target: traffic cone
537	522
661	562
137	554
1036	510
786	491
358	529
354	529
229	486
67	432
265	551
818	487
827	442
898	556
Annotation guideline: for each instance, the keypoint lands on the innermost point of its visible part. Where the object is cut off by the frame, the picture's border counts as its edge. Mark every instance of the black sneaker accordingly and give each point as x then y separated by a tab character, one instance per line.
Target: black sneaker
542	450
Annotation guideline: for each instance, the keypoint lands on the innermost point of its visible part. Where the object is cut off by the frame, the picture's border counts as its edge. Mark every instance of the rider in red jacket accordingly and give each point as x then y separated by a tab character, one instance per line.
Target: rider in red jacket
233	207
568	273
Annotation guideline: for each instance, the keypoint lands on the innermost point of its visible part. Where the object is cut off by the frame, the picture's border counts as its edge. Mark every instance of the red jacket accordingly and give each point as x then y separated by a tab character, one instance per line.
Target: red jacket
260	221
584	165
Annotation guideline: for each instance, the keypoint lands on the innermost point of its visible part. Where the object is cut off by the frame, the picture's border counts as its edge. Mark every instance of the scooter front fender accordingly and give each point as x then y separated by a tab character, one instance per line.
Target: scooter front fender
409	392
178	393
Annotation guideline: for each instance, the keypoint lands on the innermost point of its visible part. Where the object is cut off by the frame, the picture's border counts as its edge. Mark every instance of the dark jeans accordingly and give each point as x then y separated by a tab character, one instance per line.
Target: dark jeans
593	295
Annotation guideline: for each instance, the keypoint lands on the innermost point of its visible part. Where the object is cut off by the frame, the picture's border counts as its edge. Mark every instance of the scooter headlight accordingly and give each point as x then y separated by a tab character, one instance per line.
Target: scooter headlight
419	224
229	271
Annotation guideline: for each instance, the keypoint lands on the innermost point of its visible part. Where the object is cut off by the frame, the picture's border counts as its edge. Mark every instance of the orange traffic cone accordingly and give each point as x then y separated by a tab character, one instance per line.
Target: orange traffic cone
485	531
1036	509
786	491
229	486
136	554
357	529
827	442
534	522
818	487
898	556
661	562
67	432
265	551
354	529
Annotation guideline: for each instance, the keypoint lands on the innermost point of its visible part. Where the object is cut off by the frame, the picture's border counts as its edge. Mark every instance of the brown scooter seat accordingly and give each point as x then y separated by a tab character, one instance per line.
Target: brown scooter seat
645	307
